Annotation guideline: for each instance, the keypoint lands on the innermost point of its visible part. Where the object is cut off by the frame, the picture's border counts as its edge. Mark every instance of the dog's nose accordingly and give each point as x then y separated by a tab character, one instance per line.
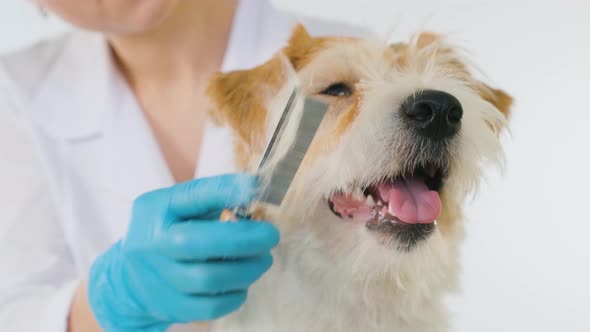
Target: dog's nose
433	113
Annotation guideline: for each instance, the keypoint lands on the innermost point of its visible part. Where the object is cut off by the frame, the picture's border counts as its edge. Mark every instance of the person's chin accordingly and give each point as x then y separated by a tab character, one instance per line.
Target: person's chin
144	16
114	16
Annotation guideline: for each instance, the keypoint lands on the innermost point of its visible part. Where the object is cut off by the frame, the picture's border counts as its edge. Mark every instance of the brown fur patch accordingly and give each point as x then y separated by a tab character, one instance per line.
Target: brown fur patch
450	216
347	118
240	99
500	99
328	142
427	38
425	47
302	47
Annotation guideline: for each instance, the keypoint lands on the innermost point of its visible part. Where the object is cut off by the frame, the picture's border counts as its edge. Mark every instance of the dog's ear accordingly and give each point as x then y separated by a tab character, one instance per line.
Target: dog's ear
239	100
239	96
298	46
500	99
302	46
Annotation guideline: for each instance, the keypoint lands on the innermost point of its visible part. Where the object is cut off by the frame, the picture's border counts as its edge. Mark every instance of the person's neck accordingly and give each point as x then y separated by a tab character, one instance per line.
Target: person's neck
190	43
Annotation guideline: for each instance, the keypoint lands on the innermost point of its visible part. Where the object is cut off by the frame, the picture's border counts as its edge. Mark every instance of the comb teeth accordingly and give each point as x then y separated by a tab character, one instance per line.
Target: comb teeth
279	127
282	174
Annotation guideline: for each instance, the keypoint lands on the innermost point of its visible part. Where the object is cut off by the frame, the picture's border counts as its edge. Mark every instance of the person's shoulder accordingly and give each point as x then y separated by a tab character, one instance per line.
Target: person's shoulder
22	70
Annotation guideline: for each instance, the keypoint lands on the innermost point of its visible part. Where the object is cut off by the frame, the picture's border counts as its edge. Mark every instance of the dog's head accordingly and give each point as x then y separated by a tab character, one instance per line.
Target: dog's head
403	142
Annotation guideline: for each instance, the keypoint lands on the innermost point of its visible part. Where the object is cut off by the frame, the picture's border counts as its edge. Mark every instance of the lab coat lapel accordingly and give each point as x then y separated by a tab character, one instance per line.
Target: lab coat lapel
131	160
98	122
73	111
131	157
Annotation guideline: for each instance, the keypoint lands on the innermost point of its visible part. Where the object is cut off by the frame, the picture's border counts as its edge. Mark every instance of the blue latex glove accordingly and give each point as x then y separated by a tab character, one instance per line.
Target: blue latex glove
178	263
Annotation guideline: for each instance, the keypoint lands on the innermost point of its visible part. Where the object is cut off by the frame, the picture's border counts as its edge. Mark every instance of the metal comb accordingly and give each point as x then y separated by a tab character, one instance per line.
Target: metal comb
280	177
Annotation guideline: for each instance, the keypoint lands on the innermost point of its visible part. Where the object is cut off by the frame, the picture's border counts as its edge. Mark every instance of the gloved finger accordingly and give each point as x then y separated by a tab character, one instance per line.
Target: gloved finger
213	277
203	240
162	300
199	197
193	308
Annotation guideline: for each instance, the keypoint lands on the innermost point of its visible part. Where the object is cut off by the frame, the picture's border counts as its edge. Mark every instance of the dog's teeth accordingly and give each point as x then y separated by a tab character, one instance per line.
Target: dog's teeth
370	201
358	194
391	221
379	202
390	210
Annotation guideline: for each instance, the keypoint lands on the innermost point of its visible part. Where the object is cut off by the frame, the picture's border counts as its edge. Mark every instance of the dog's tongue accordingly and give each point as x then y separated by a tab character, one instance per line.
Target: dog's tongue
411	201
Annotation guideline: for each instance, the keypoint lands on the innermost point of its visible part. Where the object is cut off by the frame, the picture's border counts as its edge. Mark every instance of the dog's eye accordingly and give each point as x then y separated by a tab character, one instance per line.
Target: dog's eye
337	90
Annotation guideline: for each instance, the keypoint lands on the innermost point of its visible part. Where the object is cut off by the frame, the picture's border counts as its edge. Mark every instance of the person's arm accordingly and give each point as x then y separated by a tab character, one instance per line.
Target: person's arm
178	263
38	277
81	318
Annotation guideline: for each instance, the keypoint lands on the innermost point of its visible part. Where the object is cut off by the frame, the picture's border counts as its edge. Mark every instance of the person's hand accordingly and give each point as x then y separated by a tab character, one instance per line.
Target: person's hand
178	263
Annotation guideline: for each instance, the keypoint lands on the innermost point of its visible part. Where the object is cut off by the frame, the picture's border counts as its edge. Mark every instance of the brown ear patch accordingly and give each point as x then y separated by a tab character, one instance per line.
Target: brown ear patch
239	100
500	99
302	46
240	97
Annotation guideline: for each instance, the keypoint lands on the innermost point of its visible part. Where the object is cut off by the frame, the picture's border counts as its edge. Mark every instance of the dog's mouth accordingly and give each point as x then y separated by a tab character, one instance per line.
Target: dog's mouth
405	206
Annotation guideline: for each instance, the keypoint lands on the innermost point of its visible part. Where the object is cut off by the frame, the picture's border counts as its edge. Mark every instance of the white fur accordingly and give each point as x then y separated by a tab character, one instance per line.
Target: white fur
330	275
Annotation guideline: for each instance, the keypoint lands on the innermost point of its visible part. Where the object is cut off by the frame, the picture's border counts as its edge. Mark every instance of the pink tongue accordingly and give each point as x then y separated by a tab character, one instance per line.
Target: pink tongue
412	201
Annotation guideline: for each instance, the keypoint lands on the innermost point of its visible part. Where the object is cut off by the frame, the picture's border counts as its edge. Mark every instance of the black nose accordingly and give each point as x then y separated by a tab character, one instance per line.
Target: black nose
433	113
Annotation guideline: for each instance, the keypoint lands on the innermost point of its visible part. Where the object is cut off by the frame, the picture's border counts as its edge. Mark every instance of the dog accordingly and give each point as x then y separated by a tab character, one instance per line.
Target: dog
372	224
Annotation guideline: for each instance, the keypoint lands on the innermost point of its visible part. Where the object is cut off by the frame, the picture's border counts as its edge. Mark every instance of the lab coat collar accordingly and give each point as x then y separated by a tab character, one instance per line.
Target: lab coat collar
72	101
86	106
80	110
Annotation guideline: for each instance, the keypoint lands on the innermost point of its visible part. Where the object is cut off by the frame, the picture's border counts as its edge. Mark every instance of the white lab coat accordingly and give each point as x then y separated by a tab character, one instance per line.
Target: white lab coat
75	150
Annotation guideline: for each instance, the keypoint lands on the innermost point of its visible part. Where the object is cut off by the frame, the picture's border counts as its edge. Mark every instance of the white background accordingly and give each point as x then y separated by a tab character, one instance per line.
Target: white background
527	256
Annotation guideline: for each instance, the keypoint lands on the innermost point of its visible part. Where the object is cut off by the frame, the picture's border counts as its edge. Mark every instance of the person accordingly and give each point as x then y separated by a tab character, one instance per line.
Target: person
113	178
